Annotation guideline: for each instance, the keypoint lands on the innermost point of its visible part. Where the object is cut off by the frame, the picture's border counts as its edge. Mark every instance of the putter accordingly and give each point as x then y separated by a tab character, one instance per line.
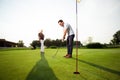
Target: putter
55	53
57	50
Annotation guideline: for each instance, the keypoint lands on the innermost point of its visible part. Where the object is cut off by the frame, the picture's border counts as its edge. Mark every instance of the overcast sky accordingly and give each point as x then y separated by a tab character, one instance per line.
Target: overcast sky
23	19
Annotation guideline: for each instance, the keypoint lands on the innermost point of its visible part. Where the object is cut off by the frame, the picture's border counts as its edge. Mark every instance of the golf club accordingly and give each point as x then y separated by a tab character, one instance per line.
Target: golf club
55	53
57	50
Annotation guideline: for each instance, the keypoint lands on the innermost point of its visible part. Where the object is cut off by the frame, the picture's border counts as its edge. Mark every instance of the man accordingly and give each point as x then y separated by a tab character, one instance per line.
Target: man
67	30
41	39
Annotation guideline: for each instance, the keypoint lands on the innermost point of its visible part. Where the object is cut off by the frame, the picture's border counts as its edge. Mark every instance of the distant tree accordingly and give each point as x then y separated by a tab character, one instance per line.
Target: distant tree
116	38
63	44
52	43
94	45
79	44
58	43
20	43
55	43
35	43
47	42
112	42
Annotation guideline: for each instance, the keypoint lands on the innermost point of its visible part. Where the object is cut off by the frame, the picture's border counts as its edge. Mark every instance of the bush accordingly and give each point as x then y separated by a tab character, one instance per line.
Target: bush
94	45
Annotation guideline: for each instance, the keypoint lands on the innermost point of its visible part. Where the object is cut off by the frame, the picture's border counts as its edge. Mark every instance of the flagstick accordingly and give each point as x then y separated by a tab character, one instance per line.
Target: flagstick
76	41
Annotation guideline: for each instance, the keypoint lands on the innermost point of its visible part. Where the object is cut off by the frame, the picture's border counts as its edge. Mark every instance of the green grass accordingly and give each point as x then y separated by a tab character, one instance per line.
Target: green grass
26	64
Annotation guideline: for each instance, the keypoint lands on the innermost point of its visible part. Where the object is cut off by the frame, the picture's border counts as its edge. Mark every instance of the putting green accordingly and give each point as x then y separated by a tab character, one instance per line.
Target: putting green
26	64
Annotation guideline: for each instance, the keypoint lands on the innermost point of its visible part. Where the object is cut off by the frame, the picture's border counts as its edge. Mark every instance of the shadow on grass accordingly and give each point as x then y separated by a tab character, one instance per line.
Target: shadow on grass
41	71
100	67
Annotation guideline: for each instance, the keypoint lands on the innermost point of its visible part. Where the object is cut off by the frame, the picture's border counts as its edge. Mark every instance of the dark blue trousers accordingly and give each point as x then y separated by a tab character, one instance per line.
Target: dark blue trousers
70	44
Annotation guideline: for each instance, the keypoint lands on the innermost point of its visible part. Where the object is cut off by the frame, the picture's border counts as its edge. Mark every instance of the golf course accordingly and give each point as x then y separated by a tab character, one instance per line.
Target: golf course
27	64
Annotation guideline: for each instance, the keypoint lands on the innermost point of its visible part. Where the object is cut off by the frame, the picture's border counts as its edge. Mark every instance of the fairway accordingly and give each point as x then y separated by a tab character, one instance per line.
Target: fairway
27	64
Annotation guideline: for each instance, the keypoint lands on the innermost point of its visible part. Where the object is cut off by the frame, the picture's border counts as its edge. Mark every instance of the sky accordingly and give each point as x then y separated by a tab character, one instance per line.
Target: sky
23	19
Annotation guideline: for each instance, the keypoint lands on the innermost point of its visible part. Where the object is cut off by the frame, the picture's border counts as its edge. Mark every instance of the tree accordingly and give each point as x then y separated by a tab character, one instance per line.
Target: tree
52	43
47	42
116	38
94	45
79	44
20	43
57	42
35	44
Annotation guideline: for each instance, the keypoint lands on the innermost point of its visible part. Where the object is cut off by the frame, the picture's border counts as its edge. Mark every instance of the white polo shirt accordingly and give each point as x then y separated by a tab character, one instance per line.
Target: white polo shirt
69	28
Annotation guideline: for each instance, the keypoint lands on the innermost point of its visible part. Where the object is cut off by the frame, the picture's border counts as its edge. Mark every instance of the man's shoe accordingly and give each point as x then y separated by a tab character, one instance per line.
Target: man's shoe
69	56
66	55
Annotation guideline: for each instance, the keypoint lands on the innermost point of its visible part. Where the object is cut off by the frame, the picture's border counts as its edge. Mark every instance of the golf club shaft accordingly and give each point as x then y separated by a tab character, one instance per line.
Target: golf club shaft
56	52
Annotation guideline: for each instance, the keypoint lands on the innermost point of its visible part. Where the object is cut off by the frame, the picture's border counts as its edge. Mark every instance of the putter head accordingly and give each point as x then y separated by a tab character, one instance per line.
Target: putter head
53	56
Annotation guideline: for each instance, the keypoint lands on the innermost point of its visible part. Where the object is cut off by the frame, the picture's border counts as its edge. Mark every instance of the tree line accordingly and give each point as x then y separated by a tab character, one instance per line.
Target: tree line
53	43
58	43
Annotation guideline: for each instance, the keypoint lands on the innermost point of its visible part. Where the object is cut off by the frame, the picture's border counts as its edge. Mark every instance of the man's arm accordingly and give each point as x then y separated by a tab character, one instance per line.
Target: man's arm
64	34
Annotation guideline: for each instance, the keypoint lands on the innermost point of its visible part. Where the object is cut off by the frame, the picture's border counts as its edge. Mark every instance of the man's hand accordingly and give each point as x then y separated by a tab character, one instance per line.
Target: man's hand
63	38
